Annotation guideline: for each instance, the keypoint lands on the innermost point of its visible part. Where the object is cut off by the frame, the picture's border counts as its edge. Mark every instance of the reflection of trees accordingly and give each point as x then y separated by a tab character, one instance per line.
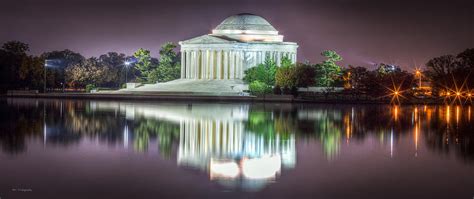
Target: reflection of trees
78	120
330	136
165	131
268	122
446	134
18	123
327	127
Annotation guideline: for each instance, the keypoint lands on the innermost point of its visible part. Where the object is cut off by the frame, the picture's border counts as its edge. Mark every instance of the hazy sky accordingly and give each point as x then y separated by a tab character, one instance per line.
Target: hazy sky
402	32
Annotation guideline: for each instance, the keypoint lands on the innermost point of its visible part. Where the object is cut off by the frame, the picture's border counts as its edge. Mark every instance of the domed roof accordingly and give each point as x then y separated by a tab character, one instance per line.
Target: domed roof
244	22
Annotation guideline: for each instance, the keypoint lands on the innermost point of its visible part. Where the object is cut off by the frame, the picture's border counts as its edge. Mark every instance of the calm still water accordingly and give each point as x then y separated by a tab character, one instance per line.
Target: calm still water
112	149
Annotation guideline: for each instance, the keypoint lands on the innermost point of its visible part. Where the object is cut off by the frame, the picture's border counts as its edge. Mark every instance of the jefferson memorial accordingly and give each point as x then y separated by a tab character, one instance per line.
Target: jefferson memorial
214	64
240	42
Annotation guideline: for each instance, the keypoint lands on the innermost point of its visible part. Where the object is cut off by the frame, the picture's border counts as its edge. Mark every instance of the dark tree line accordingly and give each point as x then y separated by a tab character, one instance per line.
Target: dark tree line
68	69
452	72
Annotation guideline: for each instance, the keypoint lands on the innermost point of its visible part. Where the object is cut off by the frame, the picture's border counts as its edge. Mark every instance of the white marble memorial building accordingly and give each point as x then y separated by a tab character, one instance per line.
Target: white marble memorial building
238	43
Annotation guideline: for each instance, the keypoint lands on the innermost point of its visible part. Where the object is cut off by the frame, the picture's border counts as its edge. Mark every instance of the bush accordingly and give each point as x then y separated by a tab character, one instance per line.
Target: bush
90	87
259	88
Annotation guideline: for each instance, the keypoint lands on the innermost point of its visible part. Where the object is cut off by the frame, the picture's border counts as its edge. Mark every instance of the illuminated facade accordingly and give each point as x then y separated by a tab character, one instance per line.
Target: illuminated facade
238	43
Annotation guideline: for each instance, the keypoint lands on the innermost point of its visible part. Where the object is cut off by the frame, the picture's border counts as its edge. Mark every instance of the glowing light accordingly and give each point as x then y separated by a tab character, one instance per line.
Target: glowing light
457	114
458	93
223	169
447	114
395	113
261	168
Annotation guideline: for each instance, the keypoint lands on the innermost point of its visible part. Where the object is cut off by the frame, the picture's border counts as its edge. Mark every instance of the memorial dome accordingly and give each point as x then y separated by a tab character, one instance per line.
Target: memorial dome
247	27
246	22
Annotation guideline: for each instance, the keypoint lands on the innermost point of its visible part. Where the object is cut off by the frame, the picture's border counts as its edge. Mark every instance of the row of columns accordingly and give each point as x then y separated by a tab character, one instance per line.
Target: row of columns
224	64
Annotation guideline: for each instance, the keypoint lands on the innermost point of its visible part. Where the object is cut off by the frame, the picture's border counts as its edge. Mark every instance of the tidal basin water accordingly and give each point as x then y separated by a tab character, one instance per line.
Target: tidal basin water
120	149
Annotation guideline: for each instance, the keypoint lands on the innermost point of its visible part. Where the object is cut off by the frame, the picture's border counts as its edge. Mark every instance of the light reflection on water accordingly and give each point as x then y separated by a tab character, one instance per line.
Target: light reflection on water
240	146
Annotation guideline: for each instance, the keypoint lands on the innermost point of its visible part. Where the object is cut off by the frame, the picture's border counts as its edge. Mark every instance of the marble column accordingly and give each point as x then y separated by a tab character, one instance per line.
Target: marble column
232	65
237	65
278	59
211	64
196	65
226	64
204	64
183	64
192	64
219	65
188	64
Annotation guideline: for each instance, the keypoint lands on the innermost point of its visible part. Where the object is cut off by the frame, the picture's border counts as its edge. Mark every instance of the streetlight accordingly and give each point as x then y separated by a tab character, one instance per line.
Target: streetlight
418	74
127	64
45	65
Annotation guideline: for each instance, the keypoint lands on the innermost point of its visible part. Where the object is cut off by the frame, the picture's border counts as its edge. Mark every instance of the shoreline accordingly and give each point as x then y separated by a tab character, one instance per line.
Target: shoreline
210	98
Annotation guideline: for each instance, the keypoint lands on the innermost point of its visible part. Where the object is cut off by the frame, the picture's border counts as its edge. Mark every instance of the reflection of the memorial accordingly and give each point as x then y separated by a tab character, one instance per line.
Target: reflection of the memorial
239	145
214	138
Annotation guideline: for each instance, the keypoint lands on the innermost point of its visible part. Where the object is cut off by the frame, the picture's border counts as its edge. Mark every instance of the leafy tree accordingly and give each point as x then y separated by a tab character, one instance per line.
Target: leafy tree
90	71
264	72
31	72
62	60
357	78
328	72
441	71
12	56
169	67
305	75
285	76
144	65
115	63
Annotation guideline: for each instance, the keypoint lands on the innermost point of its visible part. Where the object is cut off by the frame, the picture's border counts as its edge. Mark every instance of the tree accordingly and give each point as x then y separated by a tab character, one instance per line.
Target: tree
285	76
144	65
169	67
328	71
264	72
305	75
88	72
31	73
357	78
441	72
12	56
115	64
62	60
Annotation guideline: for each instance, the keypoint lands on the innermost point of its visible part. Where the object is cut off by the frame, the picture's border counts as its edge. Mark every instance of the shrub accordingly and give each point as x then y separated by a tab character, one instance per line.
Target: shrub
90	87
259	88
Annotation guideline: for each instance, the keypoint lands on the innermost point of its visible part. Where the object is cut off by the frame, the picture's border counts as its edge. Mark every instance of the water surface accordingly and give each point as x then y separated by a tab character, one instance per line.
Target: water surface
119	149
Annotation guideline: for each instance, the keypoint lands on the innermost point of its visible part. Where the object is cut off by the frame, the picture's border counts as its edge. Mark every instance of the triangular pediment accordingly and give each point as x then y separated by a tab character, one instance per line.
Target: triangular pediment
206	39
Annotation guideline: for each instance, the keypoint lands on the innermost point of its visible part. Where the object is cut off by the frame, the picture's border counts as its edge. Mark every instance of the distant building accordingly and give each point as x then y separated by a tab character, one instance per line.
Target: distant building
387	68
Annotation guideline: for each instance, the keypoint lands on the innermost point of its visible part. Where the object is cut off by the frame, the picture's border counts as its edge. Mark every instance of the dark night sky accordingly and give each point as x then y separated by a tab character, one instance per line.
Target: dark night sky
363	31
